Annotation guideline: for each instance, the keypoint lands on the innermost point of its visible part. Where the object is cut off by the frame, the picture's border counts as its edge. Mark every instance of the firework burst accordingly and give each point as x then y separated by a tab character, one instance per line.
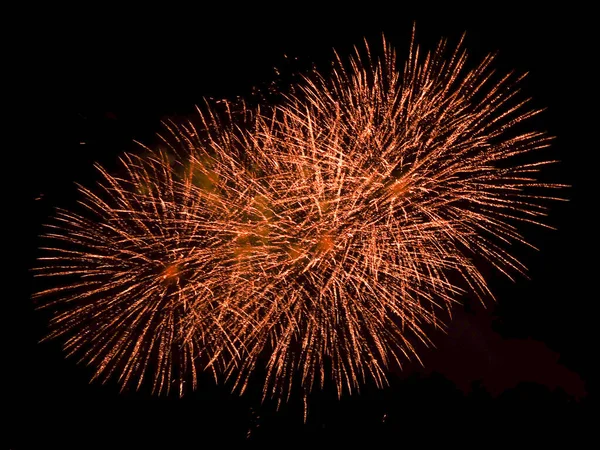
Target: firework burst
382	186
144	263
321	240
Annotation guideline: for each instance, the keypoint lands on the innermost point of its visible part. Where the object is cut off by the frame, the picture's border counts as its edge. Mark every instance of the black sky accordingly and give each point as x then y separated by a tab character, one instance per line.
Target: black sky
94	81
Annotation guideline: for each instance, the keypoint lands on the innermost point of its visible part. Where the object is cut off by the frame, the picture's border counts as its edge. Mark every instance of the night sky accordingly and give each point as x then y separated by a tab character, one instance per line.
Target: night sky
100	79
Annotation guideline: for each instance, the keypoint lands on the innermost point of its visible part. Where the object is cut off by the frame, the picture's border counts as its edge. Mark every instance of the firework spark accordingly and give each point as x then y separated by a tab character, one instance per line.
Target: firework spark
322	240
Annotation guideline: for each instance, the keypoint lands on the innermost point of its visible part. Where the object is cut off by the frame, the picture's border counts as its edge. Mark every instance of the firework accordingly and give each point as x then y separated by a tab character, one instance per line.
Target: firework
322	240
382	186
143	264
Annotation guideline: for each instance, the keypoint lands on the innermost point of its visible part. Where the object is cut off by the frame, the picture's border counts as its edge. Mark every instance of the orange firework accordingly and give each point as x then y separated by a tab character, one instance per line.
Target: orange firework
144	266
321	240
381	188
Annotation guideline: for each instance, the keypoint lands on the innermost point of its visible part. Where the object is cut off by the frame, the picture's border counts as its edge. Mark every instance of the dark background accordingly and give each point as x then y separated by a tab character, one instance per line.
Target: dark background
90	82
